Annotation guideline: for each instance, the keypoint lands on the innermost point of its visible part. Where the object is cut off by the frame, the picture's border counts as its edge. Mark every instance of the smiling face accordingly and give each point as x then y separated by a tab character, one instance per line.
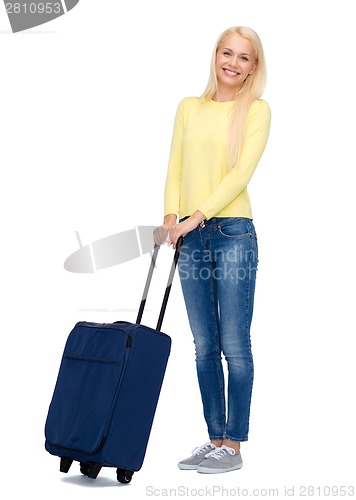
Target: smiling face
235	61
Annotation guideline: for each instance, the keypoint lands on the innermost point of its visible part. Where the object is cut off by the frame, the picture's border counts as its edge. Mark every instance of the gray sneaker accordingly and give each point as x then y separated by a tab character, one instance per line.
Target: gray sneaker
198	455
222	459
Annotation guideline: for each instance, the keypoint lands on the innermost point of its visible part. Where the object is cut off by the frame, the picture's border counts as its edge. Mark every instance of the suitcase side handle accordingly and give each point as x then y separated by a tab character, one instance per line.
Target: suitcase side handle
168	287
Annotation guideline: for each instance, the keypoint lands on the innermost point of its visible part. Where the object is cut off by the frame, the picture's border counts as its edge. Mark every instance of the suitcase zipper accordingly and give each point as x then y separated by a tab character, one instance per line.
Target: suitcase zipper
117	390
113	405
105	361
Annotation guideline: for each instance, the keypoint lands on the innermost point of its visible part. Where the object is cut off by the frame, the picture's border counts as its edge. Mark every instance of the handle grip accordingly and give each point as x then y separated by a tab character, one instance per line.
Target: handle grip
168	287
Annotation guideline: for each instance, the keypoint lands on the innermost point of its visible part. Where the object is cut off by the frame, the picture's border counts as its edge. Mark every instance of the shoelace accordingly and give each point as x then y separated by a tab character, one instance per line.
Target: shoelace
219	453
201	449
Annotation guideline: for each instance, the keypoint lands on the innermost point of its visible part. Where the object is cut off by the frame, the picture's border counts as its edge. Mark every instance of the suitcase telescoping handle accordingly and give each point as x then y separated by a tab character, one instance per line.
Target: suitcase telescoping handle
168	287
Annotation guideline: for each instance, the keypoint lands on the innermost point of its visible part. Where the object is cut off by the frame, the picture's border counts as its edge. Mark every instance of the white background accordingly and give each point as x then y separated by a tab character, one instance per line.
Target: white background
87	110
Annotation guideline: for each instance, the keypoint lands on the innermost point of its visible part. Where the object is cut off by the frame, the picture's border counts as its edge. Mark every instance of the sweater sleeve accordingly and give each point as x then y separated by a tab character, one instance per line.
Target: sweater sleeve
174	173
257	131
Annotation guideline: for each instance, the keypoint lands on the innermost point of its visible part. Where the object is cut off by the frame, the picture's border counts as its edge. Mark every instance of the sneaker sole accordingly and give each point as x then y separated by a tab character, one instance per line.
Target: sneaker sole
187	467
207	470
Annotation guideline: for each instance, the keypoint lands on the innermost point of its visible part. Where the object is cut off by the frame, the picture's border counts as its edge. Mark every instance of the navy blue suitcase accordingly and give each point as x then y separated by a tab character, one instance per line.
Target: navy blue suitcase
107	390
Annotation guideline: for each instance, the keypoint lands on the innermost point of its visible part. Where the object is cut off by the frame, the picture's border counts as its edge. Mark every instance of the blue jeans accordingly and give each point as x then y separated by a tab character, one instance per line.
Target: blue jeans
217	268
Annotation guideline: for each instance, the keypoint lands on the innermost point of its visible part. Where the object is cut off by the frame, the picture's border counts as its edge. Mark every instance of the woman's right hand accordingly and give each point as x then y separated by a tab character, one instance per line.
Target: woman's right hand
161	233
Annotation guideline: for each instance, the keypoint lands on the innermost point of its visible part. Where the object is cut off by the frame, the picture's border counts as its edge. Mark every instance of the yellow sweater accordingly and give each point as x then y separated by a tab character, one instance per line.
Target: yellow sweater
198	177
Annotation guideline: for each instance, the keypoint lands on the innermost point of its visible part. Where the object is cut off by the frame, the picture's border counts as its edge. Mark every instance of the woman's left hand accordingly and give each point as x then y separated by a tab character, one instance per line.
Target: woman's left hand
185	227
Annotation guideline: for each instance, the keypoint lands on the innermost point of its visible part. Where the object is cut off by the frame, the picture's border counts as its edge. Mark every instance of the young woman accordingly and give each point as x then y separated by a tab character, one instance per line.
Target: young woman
217	142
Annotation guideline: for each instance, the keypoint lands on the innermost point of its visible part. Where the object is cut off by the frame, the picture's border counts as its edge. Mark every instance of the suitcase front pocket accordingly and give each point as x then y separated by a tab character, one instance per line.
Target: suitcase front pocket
82	402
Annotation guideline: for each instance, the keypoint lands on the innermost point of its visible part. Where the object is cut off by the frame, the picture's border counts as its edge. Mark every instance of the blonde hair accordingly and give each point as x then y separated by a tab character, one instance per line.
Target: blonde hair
251	90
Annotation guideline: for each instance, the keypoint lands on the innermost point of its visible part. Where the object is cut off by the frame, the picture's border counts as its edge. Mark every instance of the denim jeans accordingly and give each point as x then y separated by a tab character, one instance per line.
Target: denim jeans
217	268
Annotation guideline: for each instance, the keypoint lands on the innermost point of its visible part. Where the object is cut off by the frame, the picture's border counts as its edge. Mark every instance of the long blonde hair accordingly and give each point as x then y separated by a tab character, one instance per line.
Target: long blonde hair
251	90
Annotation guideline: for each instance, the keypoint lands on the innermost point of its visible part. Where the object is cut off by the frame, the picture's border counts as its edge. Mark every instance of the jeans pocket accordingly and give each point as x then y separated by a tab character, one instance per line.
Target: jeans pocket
237	228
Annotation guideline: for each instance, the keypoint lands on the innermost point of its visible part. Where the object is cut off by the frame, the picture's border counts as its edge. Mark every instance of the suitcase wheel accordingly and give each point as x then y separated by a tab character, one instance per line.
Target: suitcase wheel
65	464
90	469
124	476
84	468
93	470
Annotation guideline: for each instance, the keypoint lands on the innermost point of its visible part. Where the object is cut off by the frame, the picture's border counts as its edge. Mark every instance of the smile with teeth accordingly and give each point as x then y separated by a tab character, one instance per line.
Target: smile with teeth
229	72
